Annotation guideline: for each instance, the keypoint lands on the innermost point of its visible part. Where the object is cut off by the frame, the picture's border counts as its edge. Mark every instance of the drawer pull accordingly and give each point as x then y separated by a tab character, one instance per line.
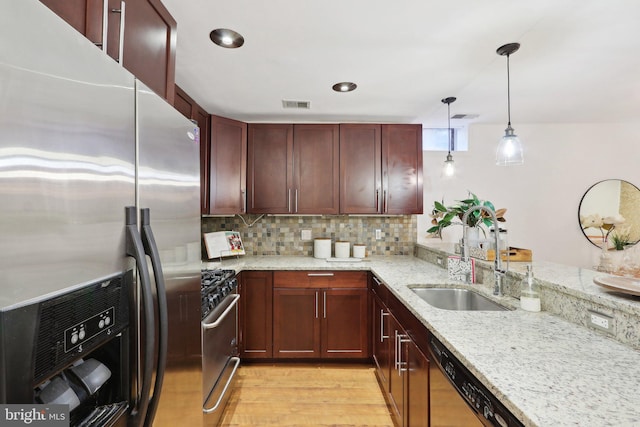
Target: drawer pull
320	274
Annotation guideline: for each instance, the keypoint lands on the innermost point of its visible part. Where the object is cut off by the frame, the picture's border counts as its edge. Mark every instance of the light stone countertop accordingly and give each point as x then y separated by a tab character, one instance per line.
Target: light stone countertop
544	369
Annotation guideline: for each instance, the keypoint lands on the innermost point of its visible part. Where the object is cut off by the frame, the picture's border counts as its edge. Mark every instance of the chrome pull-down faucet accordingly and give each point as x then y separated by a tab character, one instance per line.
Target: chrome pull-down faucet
498	272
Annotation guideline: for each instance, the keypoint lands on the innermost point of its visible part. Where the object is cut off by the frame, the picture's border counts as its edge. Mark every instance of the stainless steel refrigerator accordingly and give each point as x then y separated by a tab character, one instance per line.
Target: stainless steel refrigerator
87	155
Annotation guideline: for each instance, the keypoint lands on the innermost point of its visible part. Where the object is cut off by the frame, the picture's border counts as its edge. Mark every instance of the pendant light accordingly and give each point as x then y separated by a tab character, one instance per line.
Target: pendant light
509	150
449	169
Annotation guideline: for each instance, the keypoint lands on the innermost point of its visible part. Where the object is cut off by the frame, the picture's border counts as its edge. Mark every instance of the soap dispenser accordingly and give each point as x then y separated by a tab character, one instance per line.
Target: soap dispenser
529	292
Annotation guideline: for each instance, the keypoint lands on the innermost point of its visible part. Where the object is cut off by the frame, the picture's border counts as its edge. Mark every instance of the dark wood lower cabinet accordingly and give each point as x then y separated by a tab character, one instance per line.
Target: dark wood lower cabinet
345	326
296	323
320	323
399	349
417	383
256	315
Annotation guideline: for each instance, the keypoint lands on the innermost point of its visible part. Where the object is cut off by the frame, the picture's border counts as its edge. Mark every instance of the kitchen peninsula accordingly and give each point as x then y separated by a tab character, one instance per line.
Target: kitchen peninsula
546	370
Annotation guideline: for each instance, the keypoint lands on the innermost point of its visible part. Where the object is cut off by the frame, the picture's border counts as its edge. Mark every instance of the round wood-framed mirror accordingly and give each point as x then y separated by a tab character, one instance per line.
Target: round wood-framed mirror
610	210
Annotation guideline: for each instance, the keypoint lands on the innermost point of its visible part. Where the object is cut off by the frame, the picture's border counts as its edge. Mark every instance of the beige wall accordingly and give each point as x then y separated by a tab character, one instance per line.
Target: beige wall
542	196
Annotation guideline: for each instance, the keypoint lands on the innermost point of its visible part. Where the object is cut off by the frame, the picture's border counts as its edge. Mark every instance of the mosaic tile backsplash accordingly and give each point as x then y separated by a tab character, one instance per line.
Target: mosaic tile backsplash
281	235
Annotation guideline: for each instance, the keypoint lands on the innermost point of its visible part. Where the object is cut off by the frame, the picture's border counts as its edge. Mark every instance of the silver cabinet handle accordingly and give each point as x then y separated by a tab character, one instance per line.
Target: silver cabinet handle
319	274
296	199
219	320
121	11
316	304
378	282
401	364
395	352
324	304
289	200
243	200
382	316
236	361
105	23
384	201
377	200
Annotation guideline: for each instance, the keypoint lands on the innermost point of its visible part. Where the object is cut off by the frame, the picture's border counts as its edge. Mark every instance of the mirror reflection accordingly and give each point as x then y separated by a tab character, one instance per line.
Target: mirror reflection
610	212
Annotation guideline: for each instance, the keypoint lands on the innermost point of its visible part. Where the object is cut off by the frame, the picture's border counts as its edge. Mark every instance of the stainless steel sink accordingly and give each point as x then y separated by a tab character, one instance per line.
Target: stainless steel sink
457	299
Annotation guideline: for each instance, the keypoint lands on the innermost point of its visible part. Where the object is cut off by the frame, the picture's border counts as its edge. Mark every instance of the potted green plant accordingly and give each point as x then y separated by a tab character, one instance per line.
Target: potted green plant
443	216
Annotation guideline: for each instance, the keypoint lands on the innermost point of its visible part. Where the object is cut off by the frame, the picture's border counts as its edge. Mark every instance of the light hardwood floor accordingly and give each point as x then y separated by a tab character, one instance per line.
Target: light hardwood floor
306	395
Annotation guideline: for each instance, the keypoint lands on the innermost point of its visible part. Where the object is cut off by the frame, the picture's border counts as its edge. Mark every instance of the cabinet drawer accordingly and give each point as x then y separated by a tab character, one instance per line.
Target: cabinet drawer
320	279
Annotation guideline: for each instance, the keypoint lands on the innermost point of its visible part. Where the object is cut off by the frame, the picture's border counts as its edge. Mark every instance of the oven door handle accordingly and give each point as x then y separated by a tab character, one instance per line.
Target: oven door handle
219	320
135	249
236	362
151	249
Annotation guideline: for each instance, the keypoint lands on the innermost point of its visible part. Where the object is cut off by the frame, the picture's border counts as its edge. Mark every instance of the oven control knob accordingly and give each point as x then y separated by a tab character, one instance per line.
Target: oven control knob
107	320
82	334
74	338
101	324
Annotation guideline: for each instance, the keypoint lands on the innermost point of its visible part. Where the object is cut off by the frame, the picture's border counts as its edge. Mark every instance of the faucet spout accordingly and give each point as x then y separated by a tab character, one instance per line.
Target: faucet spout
497	266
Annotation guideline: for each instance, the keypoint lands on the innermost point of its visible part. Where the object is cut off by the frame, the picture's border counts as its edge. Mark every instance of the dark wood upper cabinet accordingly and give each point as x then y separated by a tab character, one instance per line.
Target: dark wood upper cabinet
148	36
381	169
191	110
227	166
293	169
269	176
316	173
402	169
83	15
360	169
150	45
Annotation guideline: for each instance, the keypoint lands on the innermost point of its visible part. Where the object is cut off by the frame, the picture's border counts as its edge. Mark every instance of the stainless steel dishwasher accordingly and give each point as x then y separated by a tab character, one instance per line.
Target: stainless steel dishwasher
457	398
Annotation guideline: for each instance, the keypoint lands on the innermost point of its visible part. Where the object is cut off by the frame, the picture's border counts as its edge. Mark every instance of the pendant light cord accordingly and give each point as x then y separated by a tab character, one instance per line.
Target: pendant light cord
449	127
508	92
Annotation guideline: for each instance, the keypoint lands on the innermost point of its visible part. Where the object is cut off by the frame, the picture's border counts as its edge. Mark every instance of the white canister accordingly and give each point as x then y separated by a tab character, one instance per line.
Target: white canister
359	250
343	249
322	248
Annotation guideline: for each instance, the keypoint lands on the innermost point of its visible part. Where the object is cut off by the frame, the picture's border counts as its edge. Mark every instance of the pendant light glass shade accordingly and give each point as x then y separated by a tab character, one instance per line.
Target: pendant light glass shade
509	150
448	168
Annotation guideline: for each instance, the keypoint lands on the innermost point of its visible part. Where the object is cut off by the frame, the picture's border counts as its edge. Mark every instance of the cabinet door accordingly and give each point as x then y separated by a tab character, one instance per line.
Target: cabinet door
150	45
296	323
402	169
417	404
83	15
360	169
396	376
381	342
191	110
345	332
316	169
256	315
227	166
269	174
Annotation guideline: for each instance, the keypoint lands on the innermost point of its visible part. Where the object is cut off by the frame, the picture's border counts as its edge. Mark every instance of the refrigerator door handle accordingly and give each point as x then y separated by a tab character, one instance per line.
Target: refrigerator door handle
151	249
135	249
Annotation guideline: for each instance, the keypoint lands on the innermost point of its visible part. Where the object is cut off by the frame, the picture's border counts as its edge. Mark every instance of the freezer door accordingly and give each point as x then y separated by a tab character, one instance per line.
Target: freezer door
67	155
169	186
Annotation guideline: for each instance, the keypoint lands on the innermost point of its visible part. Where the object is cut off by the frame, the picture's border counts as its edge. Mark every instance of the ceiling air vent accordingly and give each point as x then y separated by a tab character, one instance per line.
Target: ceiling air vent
296	104
465	116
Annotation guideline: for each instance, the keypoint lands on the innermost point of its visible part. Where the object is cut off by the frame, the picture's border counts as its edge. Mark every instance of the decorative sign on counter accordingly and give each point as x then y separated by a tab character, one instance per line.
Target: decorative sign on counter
223	243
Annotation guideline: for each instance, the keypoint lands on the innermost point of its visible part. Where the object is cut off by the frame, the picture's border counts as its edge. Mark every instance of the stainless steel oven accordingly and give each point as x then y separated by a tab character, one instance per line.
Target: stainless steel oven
220	359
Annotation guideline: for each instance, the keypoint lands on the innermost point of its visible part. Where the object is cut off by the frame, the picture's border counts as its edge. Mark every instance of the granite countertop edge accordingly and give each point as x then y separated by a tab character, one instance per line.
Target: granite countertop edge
546	370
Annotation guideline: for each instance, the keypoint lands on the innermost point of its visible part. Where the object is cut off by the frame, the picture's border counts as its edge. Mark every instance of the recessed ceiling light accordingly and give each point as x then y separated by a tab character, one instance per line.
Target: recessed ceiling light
226	38
344	87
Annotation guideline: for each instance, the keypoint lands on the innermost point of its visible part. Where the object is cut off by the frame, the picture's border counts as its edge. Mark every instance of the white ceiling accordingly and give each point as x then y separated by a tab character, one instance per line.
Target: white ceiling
579	60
